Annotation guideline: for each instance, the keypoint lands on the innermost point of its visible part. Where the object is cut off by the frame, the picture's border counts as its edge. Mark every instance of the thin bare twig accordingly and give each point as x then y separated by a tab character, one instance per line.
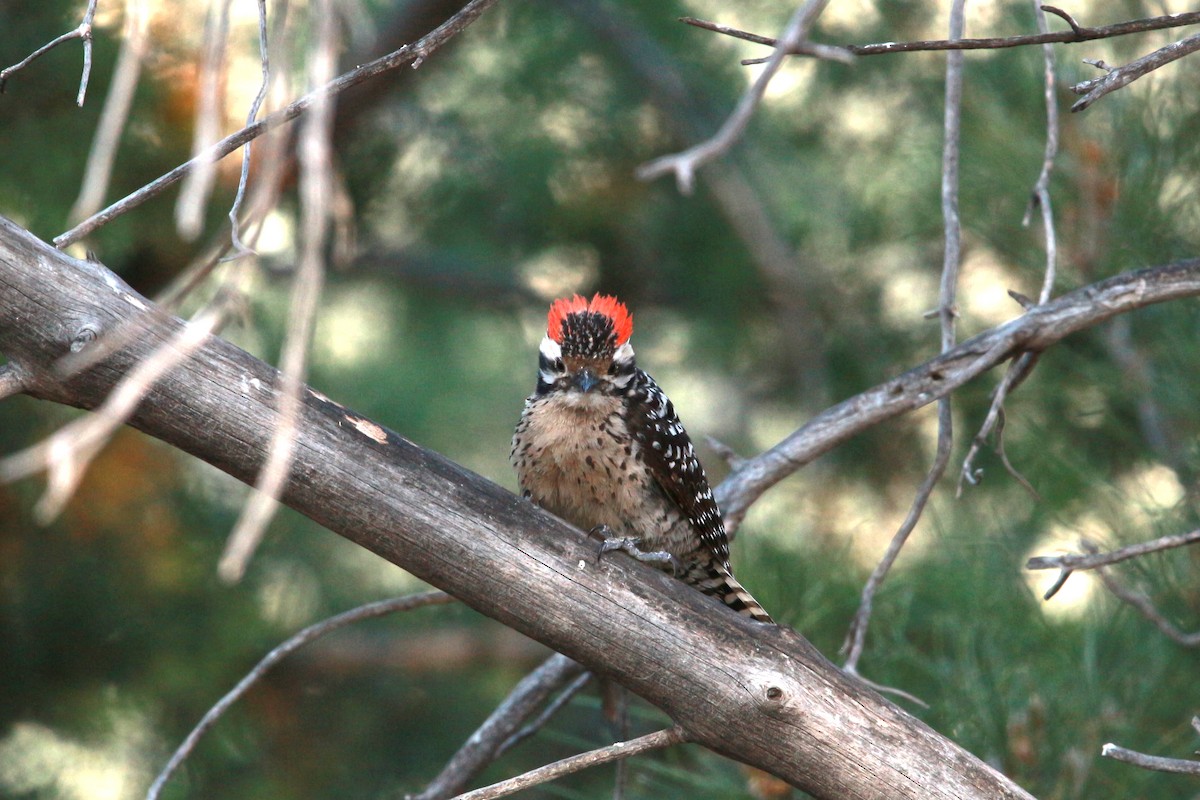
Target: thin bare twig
1020	368
1077	34
685	164
1145	606
295	642
651	741
316	180
1041	189
412	54
502	729
265	59
114	114
1157	763
947	314
84	32
1116	78
823	51
1017	371
892	690
198	185
552	708
1074	561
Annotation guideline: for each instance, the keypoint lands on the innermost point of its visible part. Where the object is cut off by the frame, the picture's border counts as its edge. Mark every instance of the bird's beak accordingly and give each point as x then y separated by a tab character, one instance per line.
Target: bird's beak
585	379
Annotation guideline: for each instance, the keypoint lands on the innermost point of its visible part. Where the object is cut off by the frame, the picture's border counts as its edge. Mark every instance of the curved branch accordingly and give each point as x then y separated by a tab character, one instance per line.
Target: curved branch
280	652
1040	327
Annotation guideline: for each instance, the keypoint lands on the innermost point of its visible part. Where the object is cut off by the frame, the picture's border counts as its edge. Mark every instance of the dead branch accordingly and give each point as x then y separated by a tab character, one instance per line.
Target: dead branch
497	553
84	32
1145	606
1077	34
1075	561
685	164
1036	330
1157	763
1119	77
315	631
594	758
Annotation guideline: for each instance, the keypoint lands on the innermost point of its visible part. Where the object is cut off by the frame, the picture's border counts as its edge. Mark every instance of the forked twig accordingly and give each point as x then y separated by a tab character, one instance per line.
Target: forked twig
552	708
1023	364
84	32
1116	78
685	164
115	113
1017	371
1092	560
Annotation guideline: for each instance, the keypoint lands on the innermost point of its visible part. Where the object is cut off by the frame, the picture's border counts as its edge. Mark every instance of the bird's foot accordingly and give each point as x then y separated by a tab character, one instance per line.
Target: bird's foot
630	545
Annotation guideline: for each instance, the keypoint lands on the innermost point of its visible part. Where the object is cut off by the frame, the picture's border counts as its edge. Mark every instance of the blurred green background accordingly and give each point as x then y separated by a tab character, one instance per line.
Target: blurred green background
500	175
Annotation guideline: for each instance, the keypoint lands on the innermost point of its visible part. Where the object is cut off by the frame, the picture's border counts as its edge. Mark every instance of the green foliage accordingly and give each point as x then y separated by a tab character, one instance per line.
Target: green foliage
504	176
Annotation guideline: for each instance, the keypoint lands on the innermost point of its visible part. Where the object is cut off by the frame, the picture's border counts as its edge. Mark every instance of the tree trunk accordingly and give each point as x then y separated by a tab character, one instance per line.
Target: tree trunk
760	694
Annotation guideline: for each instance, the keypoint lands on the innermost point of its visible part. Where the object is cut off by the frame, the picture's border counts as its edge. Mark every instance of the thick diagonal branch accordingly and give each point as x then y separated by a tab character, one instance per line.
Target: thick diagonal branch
759	694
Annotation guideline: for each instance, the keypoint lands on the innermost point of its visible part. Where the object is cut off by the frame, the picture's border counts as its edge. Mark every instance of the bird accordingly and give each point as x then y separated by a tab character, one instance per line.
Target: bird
599	445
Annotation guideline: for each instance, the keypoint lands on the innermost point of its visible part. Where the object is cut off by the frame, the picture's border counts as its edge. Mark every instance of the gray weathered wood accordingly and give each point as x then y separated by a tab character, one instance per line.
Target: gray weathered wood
760	694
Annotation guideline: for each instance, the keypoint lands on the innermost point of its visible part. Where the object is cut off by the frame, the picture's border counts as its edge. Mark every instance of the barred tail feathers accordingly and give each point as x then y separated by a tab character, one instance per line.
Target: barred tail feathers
716	580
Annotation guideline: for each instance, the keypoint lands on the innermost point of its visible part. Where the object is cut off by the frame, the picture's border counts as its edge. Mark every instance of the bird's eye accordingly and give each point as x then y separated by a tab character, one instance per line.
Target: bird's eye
558	365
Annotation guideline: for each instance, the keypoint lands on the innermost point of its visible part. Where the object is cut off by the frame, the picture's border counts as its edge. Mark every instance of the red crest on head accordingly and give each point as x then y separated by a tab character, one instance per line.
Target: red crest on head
607	305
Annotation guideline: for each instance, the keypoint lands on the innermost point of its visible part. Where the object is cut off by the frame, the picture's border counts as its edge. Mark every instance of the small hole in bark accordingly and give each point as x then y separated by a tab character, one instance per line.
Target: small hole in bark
774	693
